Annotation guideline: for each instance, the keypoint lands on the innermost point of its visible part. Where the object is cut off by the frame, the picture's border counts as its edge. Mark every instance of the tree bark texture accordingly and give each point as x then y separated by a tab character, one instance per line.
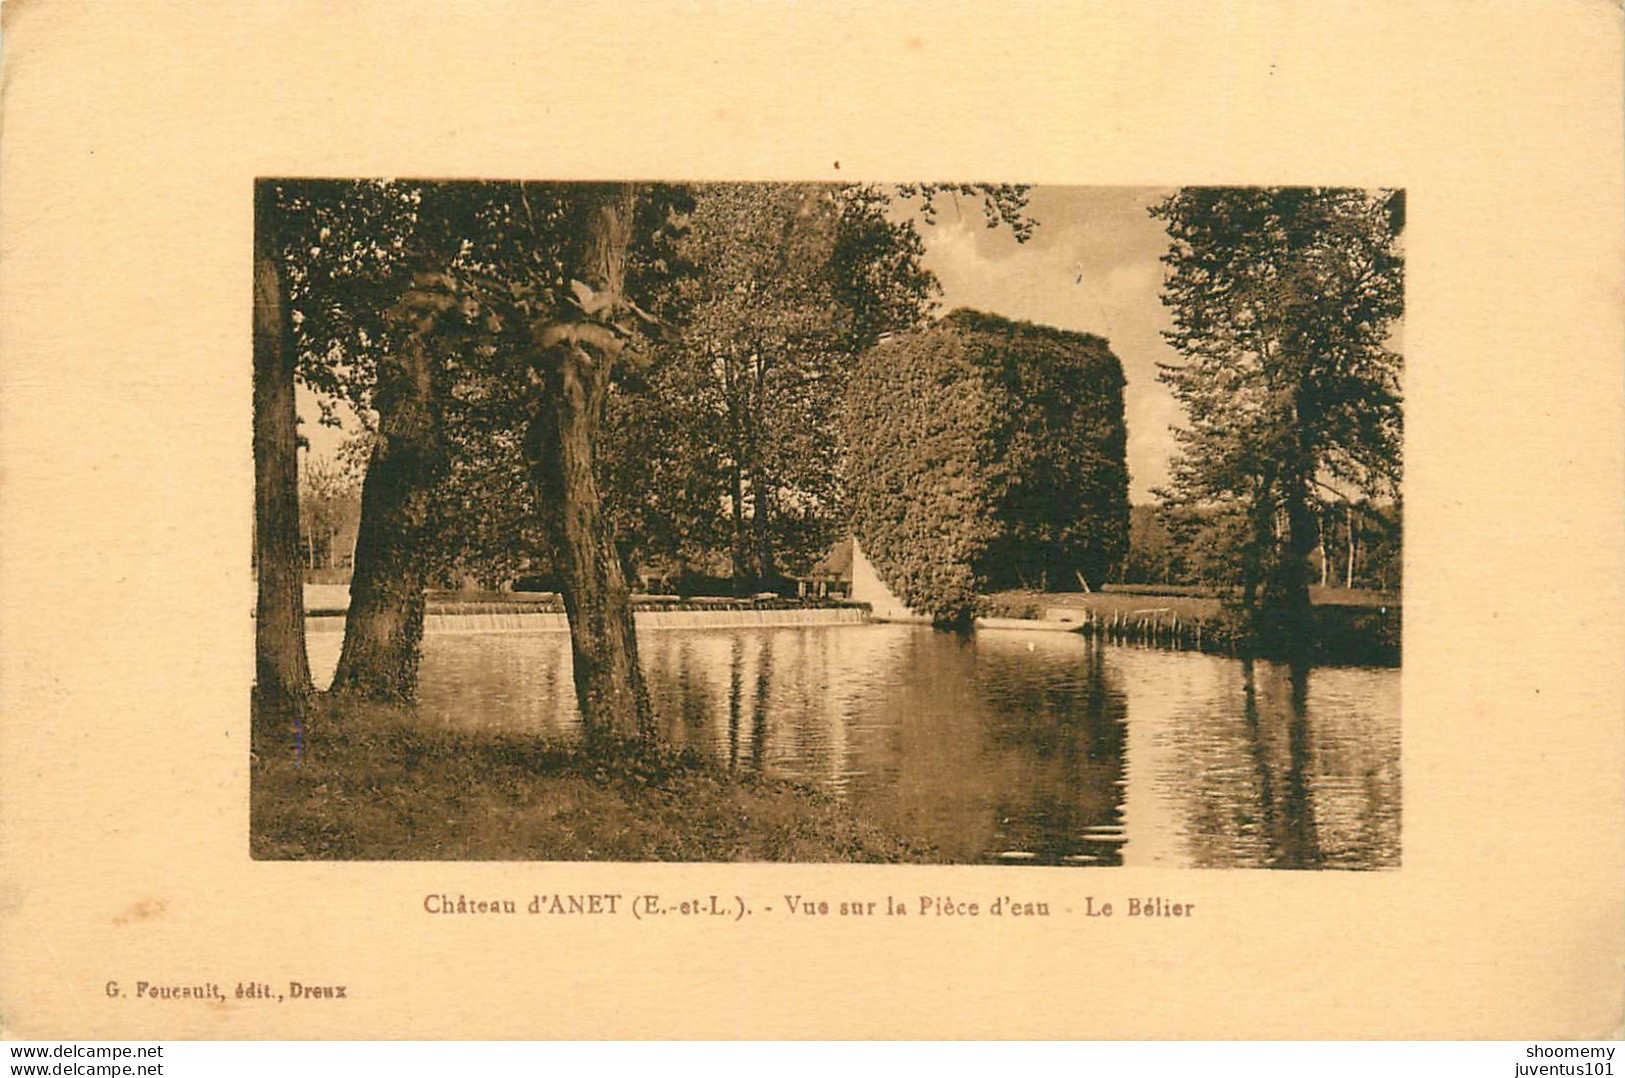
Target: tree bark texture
1292	628
281	668
383	632
572	366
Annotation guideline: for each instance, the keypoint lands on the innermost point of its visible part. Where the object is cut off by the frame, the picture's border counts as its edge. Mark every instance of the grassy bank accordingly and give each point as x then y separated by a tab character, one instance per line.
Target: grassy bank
1350	628
374	784
1320	595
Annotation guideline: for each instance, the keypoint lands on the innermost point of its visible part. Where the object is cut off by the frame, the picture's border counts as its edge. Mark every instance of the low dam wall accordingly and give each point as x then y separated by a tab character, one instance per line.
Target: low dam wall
544	621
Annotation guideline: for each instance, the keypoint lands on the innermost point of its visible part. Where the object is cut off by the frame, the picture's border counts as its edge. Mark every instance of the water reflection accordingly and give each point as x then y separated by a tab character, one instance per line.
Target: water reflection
1261	765
998	747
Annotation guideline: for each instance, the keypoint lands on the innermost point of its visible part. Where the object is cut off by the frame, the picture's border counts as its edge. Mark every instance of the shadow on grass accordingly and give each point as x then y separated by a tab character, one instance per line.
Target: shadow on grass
373	783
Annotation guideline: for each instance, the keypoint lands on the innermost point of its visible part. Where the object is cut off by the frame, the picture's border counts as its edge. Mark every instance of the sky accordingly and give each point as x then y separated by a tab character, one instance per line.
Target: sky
1091	265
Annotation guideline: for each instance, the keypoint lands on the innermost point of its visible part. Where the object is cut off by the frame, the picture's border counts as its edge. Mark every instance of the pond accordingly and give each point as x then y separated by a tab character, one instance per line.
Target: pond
1000	747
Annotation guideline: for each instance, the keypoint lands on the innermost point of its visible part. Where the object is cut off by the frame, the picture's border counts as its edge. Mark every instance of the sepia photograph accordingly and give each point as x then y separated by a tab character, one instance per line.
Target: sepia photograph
955	523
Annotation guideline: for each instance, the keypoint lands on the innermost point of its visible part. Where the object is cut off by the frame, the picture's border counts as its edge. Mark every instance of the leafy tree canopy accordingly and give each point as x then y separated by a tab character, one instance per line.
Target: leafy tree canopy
1285	303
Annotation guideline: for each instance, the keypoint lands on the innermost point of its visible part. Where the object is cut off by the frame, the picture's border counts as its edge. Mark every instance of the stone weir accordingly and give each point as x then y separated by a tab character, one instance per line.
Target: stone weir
497	620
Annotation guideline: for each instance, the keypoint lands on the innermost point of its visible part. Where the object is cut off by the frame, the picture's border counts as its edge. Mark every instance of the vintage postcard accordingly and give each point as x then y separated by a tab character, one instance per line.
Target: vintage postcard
768	521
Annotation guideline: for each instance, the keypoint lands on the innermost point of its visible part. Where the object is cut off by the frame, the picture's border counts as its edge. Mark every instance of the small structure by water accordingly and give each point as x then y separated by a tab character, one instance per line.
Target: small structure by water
831	577
868	587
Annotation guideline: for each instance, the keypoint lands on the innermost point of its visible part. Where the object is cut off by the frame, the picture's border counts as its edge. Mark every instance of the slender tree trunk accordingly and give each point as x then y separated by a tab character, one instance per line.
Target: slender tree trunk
281	668
1320	548
1255	558
764	569
1348	581
573	364
740	548
383	631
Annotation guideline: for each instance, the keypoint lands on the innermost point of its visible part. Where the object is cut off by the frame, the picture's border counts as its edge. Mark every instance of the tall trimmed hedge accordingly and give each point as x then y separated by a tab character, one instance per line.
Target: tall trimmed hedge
987	453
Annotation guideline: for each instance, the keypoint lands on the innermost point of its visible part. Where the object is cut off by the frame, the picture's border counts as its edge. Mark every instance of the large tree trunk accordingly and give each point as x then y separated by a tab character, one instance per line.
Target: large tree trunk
383	631
1288	627
281	668
573	364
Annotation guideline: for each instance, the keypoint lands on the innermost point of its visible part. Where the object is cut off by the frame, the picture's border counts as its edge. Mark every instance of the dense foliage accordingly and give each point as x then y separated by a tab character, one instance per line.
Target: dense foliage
719	452
357	248
497	337
1061	441
918	433
725	455
985	452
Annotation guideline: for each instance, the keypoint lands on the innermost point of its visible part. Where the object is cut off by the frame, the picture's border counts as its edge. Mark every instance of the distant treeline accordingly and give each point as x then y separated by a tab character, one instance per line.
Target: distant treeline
1359	546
